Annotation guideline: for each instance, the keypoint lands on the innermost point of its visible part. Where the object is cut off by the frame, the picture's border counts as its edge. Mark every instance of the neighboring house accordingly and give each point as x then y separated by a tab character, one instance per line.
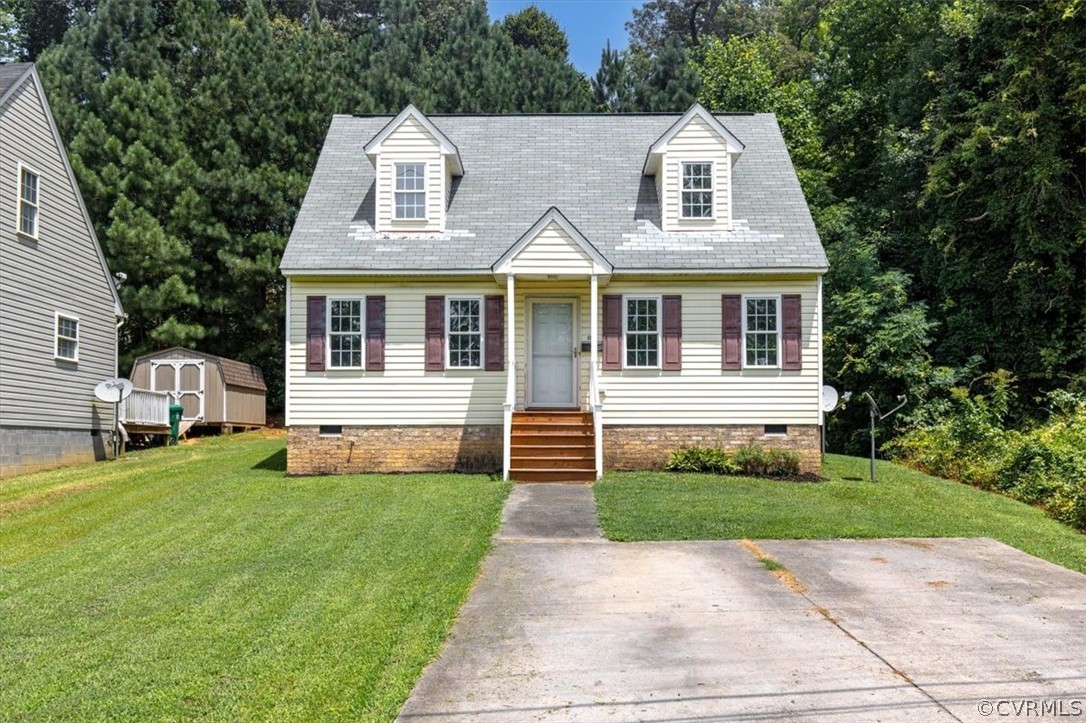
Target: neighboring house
550	295
59	309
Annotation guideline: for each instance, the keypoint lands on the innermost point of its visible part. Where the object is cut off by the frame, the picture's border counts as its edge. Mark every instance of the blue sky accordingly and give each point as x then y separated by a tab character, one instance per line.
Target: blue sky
589	24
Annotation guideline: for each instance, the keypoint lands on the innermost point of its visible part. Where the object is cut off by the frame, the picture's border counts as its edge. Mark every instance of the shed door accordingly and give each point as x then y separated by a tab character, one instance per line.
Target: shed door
184	380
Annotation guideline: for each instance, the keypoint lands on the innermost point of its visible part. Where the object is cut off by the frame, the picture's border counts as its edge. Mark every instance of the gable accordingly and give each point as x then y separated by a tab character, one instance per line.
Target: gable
551	246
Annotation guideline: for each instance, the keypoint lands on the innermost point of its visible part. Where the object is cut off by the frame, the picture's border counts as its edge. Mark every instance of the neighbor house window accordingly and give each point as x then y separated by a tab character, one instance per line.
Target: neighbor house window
642	331
465	332
67	346
28	202
697	191
345	331
410	191
761	340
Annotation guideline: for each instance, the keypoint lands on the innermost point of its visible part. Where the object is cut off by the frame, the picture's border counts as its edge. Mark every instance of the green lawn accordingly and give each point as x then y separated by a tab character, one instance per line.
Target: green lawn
902	503
199	583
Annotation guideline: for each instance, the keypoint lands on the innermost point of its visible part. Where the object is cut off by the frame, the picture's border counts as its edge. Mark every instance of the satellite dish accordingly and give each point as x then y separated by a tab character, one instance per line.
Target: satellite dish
113	390
829	398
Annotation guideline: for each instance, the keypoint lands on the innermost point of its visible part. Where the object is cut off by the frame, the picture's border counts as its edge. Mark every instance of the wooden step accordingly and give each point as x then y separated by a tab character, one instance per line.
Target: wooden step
552	475
555	463
552	439
548	429
562	417
553	450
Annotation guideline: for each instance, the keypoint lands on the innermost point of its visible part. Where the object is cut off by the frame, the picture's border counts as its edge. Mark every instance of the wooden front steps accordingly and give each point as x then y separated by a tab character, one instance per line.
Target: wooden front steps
552	446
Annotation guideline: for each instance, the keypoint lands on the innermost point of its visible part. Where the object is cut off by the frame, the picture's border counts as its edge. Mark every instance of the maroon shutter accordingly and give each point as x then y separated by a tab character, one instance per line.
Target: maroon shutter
495	334
791	333
375	333
435	333
673	333
731	332
314	333
612	331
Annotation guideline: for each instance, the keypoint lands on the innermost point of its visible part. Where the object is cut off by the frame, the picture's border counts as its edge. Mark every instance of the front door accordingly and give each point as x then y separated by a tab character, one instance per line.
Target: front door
552	373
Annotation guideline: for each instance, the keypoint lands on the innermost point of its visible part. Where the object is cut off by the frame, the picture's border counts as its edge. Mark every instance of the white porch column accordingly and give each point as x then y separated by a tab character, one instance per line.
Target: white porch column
593	357
511	374
593	336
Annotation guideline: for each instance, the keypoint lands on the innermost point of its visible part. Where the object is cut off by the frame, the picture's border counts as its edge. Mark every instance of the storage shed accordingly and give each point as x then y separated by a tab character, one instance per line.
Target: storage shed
215	391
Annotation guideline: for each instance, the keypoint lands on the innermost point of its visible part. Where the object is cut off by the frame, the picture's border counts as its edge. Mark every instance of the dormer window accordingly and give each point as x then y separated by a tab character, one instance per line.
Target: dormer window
697	190
410	191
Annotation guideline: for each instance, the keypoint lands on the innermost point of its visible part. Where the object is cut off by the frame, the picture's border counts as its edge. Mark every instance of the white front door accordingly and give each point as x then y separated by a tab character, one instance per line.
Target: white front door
552	376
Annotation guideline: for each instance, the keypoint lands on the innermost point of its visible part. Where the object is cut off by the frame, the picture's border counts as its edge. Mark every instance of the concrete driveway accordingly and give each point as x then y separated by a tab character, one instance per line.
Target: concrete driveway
564	626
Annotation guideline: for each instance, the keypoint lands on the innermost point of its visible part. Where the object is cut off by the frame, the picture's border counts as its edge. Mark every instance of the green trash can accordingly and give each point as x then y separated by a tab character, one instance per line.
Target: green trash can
176	410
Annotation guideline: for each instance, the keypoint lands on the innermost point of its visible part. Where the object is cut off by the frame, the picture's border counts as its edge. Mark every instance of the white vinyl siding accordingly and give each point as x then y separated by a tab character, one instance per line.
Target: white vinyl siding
410	144
346	332
464	326
29	201
62	272
552	252
404	393
641	332
761	331
694	143
67	337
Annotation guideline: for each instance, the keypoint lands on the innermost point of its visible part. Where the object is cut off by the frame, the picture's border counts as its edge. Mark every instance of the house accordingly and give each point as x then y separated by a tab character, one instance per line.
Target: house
59	309
550	295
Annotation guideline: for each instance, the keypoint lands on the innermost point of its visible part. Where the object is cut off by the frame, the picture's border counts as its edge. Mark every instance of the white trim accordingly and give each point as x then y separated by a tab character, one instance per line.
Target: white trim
350	273
328	332
286	360
777	298
510	375
20	167
57	316
728	169
658	298
600	264
425	217
821	382
482	331
575	311
734	145
448	148
712	191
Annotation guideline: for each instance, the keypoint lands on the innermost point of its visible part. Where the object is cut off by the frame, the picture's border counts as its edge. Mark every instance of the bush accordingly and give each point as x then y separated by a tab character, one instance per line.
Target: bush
1043	466
758	462
701	459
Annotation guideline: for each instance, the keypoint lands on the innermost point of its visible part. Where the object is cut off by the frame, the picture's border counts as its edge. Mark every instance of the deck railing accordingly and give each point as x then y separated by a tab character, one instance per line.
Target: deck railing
147	408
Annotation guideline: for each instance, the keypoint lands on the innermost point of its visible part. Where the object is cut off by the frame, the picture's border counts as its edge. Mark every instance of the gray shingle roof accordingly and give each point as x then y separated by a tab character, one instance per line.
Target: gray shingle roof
10	73
588	166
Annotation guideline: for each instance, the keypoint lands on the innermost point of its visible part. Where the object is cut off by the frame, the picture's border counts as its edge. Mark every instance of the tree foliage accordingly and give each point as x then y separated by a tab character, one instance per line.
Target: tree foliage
533	29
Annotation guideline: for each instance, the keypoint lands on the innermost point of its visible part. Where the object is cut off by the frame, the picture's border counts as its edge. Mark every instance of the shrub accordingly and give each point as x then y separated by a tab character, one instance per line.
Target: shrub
773	462
701	459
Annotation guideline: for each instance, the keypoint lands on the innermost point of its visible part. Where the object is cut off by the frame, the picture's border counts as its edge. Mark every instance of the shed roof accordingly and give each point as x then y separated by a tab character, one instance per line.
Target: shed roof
234	373
589	167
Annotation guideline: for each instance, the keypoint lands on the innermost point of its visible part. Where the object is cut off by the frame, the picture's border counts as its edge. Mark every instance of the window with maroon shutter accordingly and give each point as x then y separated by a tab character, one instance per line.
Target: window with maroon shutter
435	333
791	332
495	334
314	333
673	333
612	332
731	332
375	333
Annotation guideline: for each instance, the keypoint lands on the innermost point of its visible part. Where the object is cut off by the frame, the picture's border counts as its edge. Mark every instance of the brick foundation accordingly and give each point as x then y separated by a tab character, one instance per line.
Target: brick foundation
643	447
32	449
395	449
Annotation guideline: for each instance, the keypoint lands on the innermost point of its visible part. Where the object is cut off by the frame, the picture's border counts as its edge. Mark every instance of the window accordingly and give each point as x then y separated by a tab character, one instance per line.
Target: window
28	202
761	339
642	332
345	333
67	347
776	430
697	191
465	333
331	430
410	191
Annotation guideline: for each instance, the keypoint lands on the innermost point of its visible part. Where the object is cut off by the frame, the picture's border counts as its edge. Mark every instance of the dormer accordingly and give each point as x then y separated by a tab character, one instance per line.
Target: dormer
415	164
692	165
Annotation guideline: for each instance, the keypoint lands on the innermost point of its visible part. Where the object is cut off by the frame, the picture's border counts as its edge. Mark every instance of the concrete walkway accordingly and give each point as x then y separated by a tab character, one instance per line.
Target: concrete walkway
563	626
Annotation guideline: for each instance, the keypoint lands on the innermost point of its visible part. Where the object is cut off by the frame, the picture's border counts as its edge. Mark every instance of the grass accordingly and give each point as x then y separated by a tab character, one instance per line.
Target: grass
902	503
200	583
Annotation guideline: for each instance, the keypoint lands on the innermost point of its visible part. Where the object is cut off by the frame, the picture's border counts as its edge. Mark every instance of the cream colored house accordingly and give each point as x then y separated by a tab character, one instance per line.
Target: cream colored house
550	295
